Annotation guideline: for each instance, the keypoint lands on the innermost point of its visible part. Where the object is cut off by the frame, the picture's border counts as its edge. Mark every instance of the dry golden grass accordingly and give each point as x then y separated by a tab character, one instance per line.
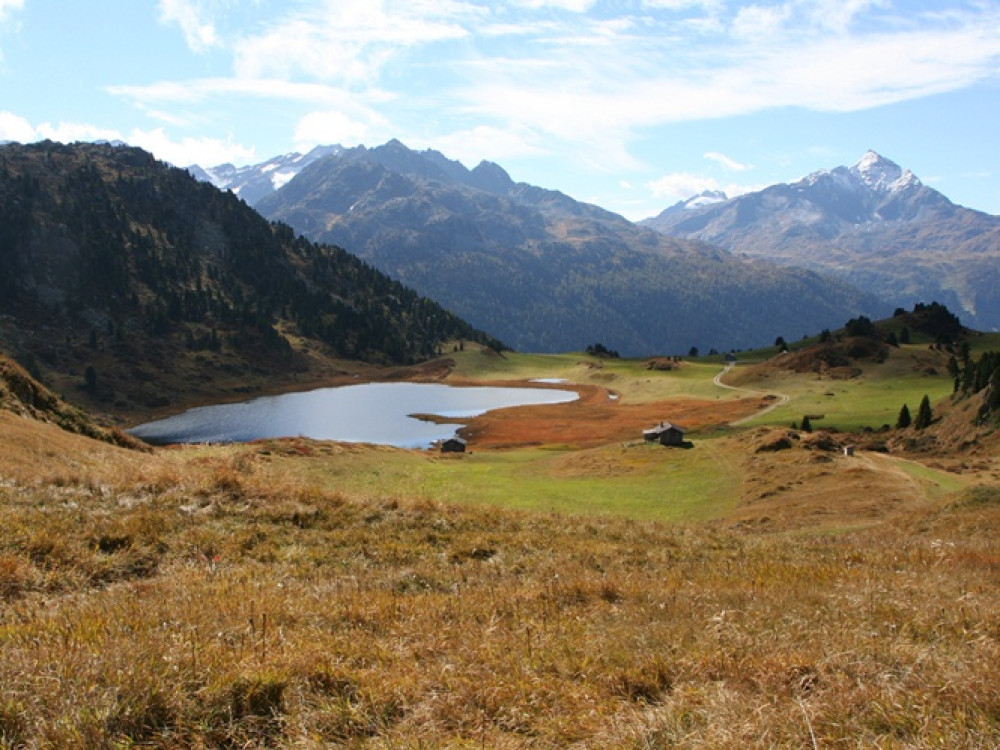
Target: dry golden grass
184	599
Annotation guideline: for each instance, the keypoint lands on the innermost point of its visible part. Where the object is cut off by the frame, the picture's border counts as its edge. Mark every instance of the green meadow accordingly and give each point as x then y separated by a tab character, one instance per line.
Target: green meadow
633	479
637	480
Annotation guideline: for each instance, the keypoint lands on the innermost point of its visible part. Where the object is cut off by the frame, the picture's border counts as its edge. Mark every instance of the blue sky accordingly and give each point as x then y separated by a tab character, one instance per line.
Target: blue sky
630	104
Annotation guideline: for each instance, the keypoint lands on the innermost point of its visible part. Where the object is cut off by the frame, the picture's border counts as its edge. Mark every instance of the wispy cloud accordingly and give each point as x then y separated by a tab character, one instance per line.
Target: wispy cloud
279	89
484	142
348	40
6	6
192	18
582	76
725	161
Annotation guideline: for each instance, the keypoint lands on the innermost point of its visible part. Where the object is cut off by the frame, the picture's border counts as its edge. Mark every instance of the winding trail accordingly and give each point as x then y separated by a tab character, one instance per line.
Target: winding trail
782	399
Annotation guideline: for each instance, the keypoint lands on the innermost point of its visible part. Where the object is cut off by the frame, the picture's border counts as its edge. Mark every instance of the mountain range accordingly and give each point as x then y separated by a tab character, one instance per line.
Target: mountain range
873	224
536	268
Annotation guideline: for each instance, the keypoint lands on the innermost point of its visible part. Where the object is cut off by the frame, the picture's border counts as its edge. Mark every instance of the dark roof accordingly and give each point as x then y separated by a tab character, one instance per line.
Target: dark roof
663	427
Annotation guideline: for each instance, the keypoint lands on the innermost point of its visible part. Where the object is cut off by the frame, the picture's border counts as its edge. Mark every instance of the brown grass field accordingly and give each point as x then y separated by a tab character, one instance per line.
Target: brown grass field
218	597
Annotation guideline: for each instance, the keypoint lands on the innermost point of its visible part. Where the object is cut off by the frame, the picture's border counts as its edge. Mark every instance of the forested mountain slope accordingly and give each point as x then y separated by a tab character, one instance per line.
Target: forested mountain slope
137	283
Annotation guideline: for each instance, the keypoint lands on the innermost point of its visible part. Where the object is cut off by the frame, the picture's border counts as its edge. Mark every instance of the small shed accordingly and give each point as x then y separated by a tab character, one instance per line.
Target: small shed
665	433
453	445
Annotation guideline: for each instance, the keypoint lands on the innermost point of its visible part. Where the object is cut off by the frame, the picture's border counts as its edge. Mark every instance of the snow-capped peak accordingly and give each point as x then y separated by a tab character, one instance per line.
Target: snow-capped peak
882	175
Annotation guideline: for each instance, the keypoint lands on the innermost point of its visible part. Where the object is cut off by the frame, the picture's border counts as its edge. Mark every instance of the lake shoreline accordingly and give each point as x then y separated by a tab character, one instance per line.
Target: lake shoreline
387	413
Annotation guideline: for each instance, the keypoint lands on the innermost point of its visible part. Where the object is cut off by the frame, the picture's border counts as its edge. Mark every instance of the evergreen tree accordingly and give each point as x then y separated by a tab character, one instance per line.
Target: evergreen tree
90	378
924	414
806	424
903	420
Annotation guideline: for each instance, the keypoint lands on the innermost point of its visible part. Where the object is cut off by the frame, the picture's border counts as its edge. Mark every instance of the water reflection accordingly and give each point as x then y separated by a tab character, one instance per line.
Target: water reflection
366	413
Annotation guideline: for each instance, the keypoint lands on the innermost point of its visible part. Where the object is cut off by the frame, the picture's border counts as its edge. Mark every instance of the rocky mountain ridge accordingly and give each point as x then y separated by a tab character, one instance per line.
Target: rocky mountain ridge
874	225
543	271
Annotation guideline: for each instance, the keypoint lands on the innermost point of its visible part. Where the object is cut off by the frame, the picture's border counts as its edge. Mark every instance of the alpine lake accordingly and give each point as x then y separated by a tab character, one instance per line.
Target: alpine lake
380	413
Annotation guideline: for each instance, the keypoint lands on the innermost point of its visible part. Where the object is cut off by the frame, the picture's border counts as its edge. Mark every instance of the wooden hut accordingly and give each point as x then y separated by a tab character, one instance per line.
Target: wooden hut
665	433
453	445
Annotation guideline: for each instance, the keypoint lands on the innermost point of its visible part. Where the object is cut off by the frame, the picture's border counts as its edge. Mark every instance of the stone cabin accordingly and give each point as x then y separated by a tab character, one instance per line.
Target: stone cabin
665	433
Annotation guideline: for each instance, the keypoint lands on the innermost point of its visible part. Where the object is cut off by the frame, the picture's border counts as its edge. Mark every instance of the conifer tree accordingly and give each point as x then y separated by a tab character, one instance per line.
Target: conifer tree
903	420
924	414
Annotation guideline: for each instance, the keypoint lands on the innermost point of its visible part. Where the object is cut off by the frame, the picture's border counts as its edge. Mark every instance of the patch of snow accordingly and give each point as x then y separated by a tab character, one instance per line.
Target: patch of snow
708	198
553	381
882	175
280	179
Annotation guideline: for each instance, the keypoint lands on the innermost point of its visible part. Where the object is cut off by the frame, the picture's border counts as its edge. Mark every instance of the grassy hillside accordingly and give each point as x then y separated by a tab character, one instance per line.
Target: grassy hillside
563	584
187	598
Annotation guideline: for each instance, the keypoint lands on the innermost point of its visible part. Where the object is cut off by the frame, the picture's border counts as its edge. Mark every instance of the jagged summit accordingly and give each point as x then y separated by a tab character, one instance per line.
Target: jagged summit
872	174
883	175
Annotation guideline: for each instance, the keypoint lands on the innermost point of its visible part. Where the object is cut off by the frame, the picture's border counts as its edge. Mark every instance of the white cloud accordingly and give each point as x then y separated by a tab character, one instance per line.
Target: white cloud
557	76
485	142
200	34
71	132
683	185
187	151
757	22
6	6
604	95
348	40
202	89
323	128
205	151
725	161
15	128
574	6
839	15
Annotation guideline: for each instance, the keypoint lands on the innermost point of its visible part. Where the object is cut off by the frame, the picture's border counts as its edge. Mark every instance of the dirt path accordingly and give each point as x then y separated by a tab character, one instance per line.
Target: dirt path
781	398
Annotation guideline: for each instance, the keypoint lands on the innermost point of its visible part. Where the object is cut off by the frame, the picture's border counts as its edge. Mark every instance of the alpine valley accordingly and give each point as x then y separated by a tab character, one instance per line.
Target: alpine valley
793	549
534	267
874	225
